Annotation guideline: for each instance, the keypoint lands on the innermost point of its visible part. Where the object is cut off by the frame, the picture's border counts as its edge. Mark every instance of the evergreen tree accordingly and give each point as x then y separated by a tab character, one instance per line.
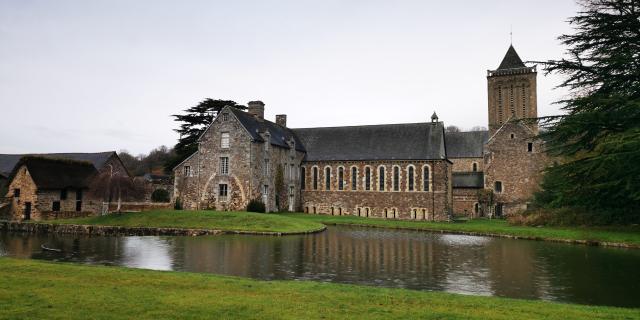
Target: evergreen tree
597	140
192	124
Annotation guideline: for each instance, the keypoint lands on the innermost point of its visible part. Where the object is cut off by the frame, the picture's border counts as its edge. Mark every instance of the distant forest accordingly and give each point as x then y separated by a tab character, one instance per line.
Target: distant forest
152	163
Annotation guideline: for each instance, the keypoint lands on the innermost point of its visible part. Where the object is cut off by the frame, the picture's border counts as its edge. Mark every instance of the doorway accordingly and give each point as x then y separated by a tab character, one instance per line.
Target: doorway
27	211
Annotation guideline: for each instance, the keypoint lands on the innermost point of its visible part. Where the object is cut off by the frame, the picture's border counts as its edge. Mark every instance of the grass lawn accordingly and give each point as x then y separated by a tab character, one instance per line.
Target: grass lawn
228	221
627	235
33	289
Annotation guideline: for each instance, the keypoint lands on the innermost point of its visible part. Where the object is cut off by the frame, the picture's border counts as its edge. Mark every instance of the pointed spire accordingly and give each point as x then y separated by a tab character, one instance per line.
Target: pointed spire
434	117
511	60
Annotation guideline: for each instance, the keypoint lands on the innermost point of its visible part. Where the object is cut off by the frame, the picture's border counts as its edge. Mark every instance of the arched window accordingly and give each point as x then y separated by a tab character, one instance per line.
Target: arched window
396	178
327	178
354	178
381	178
303	178
315	178
474	167
367	178
426	178
340	178
411	178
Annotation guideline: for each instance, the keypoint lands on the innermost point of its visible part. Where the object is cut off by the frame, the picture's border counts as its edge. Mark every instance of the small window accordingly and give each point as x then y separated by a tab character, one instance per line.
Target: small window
474	167
530	147
63	194
187	171
225	117
222	192
16	193
513	136
224	140
498	187
56	206
224	165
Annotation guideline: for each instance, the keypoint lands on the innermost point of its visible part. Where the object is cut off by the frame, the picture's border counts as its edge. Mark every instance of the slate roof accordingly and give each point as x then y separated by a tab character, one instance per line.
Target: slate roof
511	60
48	173
410	141
468	180
279	134
466	144
98	159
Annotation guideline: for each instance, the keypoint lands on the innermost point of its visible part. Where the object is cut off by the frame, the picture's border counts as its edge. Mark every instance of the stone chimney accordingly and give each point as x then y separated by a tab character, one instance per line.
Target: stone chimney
281	120
256	108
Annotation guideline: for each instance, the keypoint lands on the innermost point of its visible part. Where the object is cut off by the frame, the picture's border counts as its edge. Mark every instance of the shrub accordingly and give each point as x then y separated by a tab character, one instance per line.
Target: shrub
256	205
160	195
567	217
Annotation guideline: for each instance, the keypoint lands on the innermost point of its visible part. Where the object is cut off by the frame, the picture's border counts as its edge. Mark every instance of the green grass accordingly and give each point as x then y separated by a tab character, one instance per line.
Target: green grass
228	221
32	289
626	235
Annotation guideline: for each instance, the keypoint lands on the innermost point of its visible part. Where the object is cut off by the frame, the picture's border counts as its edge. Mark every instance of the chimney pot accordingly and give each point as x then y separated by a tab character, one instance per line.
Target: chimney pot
281	120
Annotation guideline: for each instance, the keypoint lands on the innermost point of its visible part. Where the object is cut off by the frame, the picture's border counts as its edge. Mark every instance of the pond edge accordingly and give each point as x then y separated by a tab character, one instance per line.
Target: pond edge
100	230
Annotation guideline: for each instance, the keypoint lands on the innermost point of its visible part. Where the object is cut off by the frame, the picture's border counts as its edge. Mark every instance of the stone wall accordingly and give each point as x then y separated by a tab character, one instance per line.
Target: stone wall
508	160
512	95
28	195
466	164
380	201
464	202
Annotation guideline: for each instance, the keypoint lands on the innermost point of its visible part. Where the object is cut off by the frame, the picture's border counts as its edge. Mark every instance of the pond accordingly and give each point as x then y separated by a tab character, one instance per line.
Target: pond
379	257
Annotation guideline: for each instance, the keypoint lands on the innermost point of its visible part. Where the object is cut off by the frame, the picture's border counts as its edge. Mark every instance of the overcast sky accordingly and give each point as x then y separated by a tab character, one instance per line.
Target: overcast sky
85	76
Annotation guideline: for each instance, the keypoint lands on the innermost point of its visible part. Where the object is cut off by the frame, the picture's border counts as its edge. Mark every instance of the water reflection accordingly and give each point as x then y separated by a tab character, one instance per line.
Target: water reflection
392	258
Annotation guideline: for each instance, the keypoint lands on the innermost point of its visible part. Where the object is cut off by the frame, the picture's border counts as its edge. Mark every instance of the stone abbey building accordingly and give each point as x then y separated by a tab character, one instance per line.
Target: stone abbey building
397	171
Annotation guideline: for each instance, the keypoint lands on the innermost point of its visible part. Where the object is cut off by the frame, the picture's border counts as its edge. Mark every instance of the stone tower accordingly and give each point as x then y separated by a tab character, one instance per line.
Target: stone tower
511	92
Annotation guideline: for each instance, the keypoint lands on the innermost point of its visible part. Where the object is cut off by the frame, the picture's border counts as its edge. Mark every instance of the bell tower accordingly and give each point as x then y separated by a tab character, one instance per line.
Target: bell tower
511	91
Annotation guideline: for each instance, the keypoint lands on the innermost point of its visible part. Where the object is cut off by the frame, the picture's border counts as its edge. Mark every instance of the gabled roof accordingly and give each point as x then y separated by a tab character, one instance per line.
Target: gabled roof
409	141
48	173
466	144
468	179
511	60
98	159
279	134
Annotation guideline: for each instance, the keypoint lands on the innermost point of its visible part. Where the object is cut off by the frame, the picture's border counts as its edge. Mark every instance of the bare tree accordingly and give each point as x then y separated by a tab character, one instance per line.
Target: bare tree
110	186
478	128
452	129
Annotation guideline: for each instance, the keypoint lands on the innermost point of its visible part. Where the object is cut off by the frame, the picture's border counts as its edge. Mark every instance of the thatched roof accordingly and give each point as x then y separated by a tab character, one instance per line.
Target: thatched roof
50	173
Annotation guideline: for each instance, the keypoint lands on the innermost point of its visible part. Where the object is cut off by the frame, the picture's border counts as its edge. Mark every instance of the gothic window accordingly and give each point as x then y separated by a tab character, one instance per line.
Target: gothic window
315	178
381	178
396	178
224	165
498	187
224	140
426	178
354	178
474	167
303	178
327	178
410	178
367	178
341	178
222	192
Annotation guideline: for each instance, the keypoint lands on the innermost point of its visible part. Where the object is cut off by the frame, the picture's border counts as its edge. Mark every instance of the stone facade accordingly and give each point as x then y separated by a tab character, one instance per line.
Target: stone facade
427	200
515	160
252	170
467	164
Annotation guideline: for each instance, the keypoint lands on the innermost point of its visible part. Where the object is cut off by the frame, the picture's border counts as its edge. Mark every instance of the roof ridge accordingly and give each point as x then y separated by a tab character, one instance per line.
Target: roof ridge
368	125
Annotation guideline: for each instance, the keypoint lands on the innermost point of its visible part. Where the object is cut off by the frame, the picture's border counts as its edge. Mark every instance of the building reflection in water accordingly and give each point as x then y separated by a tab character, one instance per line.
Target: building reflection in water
391	258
